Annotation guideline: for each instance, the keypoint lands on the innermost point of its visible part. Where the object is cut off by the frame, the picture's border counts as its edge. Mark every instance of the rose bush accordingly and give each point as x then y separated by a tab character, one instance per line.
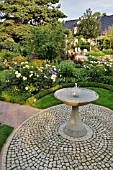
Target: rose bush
25	77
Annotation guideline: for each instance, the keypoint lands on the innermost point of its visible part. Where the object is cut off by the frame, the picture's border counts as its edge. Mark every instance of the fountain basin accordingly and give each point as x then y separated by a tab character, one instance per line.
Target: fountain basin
75	127
85	96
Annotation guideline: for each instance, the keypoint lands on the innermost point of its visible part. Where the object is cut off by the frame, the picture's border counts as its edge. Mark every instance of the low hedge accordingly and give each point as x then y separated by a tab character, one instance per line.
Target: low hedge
42	94
108	52
32	99
96	84
96	53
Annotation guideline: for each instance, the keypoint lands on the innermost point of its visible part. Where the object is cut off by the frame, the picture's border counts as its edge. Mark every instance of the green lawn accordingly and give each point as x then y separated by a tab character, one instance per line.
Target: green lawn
5	131
46	102
105	99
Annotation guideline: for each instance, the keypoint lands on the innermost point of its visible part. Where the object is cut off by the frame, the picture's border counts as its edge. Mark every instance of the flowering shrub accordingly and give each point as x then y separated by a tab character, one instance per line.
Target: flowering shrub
24	77
4	64
97	68
19	59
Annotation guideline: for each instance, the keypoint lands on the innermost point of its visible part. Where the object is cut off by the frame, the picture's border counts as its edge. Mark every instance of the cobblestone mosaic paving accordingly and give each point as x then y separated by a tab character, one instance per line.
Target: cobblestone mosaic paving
37	145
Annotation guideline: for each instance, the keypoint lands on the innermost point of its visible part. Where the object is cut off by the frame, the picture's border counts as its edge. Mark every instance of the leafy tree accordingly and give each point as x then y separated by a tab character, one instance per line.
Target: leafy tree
98	14
18	13
110	36
89	27
46	42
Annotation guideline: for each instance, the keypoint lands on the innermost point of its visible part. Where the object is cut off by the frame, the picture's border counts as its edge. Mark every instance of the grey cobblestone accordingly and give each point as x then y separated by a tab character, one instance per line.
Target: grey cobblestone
38	145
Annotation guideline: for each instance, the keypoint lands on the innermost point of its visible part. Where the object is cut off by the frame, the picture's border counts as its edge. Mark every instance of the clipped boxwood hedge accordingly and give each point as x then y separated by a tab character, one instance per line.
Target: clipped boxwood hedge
96	84
96	53
108	52
41	94
36	97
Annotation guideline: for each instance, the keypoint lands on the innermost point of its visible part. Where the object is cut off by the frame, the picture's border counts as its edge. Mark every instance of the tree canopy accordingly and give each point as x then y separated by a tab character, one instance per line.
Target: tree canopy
23	11
89	27
19	13
45	42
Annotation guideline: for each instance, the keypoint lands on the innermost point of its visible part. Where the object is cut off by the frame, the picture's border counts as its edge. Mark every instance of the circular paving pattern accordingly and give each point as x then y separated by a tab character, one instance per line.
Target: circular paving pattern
37	144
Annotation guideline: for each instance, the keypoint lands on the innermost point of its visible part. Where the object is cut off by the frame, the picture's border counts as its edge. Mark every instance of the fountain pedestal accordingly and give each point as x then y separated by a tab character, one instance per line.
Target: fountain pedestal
75	127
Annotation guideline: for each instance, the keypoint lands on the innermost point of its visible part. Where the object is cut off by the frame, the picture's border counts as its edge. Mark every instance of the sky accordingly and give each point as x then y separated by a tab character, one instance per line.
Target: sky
76	8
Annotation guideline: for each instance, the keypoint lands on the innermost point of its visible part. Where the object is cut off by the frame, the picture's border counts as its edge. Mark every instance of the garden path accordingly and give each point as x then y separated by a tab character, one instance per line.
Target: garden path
14	114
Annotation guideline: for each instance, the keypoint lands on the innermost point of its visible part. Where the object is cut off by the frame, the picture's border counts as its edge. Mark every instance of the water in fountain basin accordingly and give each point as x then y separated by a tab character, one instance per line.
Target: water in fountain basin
75	90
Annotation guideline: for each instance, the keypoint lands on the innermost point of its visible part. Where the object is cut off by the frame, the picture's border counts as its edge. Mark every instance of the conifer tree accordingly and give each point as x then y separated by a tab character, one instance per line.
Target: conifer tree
21	14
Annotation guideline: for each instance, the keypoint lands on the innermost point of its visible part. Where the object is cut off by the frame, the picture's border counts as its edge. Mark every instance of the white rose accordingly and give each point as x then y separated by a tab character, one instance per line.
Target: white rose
16	72
18	75
30	75
37	75
31	72
26	88
45	76
24	78
53	77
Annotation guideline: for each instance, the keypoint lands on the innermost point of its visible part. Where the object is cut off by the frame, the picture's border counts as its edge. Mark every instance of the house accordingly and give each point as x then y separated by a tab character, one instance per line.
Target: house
105	21
72	25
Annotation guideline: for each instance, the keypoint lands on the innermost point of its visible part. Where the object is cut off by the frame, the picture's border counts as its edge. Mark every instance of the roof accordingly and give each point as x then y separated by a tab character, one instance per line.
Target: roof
106	21
70	23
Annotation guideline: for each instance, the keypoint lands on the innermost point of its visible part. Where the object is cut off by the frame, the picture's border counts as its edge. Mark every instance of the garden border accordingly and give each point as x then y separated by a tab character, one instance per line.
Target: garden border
43	93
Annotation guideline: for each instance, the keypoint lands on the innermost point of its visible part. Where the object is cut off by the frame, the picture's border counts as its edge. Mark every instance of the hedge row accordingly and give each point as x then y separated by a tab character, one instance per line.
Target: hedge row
97	53
32	99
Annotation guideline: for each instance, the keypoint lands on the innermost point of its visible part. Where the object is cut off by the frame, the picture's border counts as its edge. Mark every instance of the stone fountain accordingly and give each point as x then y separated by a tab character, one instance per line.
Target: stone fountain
75	97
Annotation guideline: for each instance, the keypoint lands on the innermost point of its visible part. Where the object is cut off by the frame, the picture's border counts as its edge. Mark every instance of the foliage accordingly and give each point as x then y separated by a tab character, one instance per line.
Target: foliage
20	15
95	53
89	27
107	79
7	55
108	52
46	42
23	77
28	81
103	42
2	66
23	11
66	69
37	62
80	74
11	34
10	95
5	131
85	45
110	35
95	68
98	14
2	75
41	94
19	59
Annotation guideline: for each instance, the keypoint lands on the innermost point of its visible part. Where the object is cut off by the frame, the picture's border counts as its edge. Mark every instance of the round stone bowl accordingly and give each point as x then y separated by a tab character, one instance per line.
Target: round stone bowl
83	97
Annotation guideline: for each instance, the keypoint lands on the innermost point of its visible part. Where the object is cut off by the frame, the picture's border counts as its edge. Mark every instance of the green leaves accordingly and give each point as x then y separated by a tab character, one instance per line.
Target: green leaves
21	12
28	9
89	27
47	42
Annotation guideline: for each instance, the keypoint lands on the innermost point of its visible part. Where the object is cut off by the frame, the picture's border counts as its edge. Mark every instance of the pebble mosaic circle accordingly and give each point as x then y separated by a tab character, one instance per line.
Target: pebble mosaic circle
37	144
